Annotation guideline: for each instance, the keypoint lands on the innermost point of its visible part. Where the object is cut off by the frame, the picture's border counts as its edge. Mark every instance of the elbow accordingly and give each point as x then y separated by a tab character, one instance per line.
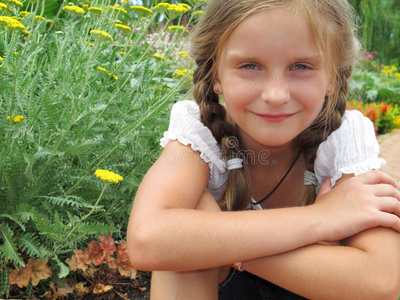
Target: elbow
385	285
390	289
142	248
138	248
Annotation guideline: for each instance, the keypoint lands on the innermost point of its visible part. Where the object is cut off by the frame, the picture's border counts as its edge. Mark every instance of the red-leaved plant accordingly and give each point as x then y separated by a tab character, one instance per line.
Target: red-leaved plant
102	264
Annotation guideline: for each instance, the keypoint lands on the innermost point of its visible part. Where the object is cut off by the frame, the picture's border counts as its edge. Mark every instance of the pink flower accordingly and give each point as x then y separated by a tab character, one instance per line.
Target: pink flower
369	57
366	53
374	66
374	53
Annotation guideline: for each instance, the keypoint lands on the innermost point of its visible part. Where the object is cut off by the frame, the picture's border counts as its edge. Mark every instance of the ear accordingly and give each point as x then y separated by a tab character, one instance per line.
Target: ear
331	88
217	86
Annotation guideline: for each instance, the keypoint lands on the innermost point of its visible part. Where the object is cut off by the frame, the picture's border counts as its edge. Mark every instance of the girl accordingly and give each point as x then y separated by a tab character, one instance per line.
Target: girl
282	68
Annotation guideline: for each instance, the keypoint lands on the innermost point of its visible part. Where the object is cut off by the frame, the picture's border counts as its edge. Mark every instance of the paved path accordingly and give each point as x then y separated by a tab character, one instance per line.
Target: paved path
390	151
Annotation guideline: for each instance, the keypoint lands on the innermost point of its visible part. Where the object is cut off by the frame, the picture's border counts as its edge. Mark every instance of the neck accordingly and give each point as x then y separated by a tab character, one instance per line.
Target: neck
267	158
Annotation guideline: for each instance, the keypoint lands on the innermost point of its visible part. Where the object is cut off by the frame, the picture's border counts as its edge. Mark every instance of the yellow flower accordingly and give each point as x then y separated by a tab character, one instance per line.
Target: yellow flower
15	26
397	121
198	13
142	11
183	54
101	69
5	20
95	10
16	119
16	53
14	2
3	6
185	5
11	23
158	56
115	77
1	59
177	28
101	36
181	73
73	10
123	28
40	18
26	32
108	176
24	13
117	8
175	10
122	53
161	7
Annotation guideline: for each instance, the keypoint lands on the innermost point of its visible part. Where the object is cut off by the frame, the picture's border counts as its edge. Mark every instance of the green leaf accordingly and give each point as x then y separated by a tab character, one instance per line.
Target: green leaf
29	243
64	270
12	218
96	228
8	249
4	282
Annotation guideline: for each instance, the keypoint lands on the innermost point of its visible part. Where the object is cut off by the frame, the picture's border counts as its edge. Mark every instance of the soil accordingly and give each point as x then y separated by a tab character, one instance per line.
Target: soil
137	289
125	289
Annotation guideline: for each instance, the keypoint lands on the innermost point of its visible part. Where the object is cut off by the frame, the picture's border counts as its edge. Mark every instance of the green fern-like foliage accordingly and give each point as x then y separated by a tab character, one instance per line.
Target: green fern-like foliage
77	118
3	278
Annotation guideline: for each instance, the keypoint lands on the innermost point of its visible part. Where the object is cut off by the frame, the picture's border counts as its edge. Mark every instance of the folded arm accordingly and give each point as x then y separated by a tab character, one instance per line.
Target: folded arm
365	266
166	232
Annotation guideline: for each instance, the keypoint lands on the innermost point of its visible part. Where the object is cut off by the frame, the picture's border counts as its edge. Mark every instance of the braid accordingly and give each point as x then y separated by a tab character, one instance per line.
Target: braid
213	115
327	121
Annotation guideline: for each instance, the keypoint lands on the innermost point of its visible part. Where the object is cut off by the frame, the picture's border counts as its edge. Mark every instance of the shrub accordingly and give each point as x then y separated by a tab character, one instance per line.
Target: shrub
90	89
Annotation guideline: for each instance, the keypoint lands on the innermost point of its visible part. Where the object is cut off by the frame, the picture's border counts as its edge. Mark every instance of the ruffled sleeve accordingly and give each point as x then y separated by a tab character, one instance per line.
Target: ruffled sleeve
351	149
186	127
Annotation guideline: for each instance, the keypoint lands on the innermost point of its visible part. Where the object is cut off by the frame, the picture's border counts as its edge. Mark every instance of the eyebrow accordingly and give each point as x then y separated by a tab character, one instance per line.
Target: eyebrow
236	55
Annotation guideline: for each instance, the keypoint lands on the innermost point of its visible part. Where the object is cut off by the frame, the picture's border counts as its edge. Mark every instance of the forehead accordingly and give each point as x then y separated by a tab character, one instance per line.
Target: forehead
277	30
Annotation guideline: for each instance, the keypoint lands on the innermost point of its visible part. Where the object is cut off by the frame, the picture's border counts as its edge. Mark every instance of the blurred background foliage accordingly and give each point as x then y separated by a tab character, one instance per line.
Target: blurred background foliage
379	25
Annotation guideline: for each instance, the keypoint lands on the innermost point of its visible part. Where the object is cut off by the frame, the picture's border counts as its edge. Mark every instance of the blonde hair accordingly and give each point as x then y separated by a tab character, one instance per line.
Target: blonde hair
332	25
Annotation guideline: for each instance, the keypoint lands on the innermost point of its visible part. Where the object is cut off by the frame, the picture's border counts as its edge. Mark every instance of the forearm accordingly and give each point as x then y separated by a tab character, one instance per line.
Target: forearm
338	272
186	239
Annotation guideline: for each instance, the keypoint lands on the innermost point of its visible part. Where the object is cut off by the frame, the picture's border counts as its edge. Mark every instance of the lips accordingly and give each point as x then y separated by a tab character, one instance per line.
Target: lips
275	117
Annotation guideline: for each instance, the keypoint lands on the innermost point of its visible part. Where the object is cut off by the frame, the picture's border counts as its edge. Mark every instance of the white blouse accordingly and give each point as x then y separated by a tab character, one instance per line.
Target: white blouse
352	148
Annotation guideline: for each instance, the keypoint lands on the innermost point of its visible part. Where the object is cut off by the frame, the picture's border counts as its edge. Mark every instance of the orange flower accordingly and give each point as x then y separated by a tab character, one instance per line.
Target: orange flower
371	113
384	107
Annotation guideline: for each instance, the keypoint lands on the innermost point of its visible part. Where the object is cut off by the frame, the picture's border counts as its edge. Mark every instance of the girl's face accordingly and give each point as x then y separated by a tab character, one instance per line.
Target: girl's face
272	76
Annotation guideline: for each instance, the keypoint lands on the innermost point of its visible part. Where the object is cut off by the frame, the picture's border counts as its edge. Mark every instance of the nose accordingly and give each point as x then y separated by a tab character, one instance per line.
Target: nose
276	90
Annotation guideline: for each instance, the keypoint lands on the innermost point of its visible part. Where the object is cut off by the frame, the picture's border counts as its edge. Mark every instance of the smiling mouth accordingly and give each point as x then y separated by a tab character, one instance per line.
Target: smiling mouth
275	117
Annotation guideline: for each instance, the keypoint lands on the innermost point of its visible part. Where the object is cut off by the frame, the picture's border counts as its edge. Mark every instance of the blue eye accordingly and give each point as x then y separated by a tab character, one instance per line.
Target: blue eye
299	67
249	66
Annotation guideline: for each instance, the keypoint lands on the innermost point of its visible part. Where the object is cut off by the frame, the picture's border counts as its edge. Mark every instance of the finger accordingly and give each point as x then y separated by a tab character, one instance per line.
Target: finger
376	177
386	190
390	221
325	187
389	205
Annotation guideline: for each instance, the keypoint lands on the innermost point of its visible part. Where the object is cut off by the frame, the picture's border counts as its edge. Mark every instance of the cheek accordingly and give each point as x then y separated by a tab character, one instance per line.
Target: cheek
311	95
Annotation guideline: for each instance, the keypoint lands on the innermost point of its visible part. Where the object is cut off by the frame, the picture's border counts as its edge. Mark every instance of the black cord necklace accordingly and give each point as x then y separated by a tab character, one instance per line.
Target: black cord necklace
279	183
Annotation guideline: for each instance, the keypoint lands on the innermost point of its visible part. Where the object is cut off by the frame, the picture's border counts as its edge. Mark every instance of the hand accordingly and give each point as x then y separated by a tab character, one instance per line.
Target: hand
358	203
